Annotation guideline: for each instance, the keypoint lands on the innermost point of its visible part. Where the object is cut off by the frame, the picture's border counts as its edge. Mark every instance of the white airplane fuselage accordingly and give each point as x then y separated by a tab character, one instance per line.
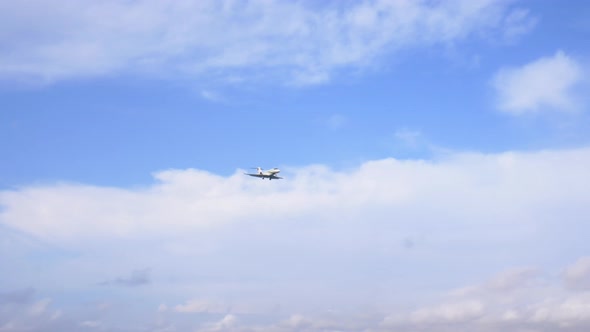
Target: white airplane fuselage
268	174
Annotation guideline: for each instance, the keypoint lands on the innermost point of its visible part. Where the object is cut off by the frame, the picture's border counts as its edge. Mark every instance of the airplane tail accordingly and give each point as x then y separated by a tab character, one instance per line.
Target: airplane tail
259	170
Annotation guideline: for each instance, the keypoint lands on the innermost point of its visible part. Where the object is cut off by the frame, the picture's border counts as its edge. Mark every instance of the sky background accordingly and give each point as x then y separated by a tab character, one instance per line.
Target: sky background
435	157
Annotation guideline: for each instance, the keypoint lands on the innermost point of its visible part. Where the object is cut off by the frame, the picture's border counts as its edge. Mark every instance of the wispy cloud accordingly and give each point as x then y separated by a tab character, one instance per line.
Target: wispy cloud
288	42
93	324
23	310
336	121
137	278
19	296
211	96
409	138
39	307
201	306
547	83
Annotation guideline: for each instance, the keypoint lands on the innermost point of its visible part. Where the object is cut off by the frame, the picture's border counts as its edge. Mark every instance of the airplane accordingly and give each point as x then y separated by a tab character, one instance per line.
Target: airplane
268	174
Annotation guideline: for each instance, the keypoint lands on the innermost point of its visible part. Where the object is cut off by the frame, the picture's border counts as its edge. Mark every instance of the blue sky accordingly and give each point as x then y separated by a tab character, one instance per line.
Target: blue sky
435	157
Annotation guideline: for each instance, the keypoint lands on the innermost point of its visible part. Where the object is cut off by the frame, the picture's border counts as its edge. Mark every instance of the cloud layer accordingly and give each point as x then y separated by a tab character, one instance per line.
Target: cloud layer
392	244
462	186
292	42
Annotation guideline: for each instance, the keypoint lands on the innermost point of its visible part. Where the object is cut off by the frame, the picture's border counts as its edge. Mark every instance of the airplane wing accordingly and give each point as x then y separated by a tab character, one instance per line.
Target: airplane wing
255	175
264	176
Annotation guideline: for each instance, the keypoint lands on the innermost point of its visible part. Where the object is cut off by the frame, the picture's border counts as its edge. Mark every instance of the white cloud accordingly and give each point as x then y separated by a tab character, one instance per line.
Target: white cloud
547	83
513	279
448	313
296	42
225	324
570	311
577	276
